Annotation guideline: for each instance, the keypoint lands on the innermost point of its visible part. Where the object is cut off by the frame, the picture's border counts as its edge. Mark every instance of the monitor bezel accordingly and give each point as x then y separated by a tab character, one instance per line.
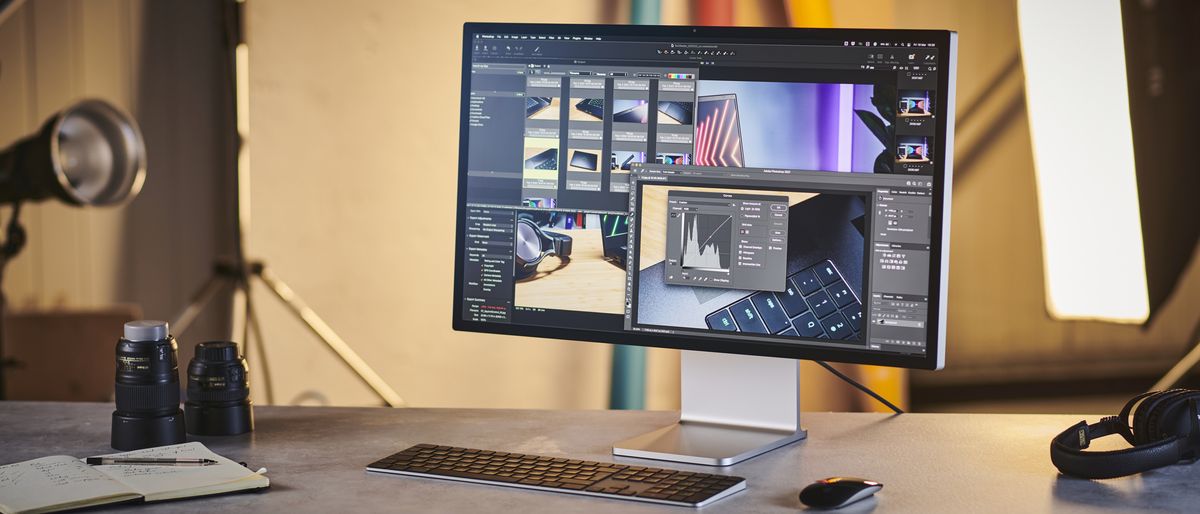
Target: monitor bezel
934	357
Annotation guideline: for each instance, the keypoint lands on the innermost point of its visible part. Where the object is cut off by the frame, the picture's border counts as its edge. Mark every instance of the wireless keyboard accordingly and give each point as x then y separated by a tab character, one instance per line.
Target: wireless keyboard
560	475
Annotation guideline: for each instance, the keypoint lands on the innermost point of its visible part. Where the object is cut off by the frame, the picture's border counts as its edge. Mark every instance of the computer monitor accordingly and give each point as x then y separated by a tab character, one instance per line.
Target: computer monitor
776	205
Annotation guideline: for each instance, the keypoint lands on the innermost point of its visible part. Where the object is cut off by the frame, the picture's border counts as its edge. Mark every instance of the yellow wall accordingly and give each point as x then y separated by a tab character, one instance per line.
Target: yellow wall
354	123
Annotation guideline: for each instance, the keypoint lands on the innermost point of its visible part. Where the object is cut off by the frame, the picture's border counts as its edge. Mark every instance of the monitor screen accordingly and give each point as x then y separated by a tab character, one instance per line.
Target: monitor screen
769	191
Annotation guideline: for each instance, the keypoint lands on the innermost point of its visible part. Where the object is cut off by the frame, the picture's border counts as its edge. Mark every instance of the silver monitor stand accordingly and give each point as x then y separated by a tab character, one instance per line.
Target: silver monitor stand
733	407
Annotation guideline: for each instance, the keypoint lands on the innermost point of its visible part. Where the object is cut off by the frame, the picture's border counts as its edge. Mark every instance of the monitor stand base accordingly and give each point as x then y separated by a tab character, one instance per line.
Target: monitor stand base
734	407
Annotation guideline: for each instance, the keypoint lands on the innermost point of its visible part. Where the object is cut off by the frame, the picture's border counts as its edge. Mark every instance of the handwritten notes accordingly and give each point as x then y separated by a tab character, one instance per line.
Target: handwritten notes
58	480
64	482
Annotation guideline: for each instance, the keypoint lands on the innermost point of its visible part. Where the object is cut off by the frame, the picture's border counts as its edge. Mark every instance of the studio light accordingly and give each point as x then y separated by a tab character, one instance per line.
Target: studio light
1084	160
90	153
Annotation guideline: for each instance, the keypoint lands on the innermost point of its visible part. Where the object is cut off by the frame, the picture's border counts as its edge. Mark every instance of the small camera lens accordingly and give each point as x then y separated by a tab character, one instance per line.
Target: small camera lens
218	391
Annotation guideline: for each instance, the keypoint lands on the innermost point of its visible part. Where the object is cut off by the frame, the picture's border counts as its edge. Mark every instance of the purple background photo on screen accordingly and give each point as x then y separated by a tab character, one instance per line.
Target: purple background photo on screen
794	125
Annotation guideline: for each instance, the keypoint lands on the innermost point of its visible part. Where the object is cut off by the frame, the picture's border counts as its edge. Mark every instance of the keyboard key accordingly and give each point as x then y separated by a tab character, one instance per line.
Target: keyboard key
792	300
808	326
820	304
770	310
836	326
807	282
747	319
827	273
721	320
505	479
841	294
854	316
790	332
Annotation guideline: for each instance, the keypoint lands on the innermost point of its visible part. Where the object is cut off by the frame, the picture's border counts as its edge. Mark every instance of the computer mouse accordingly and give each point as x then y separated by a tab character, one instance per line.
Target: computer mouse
838	492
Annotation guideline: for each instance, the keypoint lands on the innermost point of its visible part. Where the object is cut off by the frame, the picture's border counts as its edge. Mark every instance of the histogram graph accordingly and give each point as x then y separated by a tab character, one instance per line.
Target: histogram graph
707	239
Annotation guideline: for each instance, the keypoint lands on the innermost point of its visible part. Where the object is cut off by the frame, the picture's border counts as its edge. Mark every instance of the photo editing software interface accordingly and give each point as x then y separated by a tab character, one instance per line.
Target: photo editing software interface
777	193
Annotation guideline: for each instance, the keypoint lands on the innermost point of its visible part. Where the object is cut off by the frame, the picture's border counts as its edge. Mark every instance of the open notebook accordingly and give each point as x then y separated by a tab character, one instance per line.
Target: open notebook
62	482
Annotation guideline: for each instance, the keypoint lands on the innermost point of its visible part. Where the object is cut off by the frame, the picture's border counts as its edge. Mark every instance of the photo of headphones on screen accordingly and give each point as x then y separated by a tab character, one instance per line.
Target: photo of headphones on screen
534	244
1164	430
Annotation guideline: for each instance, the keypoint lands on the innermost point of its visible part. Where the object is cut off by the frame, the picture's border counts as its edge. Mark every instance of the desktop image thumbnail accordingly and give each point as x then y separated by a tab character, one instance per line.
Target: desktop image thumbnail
541	154
913	149
541	107
540	168
638	111
915	103
674	113
623	161
821	291
794	125
587	109
584	160
539	202
673	158
630	111
589	278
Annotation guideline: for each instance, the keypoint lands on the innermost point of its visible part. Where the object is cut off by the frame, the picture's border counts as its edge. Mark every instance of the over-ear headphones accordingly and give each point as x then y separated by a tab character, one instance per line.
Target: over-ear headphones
533	245
1164	430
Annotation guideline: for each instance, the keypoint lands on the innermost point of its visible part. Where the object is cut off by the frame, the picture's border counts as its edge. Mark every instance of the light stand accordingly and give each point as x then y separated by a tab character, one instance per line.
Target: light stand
236	273
14	240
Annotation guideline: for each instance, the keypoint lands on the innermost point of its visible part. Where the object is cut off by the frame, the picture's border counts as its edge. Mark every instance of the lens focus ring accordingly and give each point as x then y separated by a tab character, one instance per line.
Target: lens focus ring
145	398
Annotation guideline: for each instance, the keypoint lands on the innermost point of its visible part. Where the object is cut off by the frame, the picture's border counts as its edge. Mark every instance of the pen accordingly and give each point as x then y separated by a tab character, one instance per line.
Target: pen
104	461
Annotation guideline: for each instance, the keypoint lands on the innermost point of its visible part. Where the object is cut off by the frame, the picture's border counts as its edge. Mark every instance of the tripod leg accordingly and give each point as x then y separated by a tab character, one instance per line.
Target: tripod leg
237	320
330	338
244	287
260	348
197	304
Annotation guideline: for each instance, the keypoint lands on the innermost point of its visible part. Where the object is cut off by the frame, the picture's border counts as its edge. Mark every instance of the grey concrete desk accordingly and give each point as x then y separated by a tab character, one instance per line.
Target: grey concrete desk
927	462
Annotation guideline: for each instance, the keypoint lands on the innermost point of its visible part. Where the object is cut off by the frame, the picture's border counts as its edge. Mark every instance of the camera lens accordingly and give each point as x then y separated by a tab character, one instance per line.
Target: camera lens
218	391
147	388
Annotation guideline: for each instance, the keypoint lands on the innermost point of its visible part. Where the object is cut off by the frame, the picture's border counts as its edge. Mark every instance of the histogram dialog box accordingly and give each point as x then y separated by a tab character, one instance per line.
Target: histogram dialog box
729	240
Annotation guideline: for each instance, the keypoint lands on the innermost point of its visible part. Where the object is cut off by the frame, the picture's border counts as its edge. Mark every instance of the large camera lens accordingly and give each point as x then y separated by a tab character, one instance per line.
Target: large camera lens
147	388
218	391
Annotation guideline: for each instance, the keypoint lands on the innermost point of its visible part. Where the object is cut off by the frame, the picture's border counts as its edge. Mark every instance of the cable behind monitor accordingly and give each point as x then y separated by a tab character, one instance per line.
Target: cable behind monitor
860	387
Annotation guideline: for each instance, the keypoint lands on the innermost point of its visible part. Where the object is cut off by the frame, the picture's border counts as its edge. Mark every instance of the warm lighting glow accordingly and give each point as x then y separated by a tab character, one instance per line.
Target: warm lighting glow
242	68
1078	101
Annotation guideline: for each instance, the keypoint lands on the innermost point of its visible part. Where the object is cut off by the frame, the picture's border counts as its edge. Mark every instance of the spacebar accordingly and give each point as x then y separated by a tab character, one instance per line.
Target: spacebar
473	476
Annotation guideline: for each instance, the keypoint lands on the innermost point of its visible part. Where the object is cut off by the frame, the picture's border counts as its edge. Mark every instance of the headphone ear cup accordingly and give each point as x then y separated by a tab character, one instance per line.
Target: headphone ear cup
1160	414
1141	414
1173	417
